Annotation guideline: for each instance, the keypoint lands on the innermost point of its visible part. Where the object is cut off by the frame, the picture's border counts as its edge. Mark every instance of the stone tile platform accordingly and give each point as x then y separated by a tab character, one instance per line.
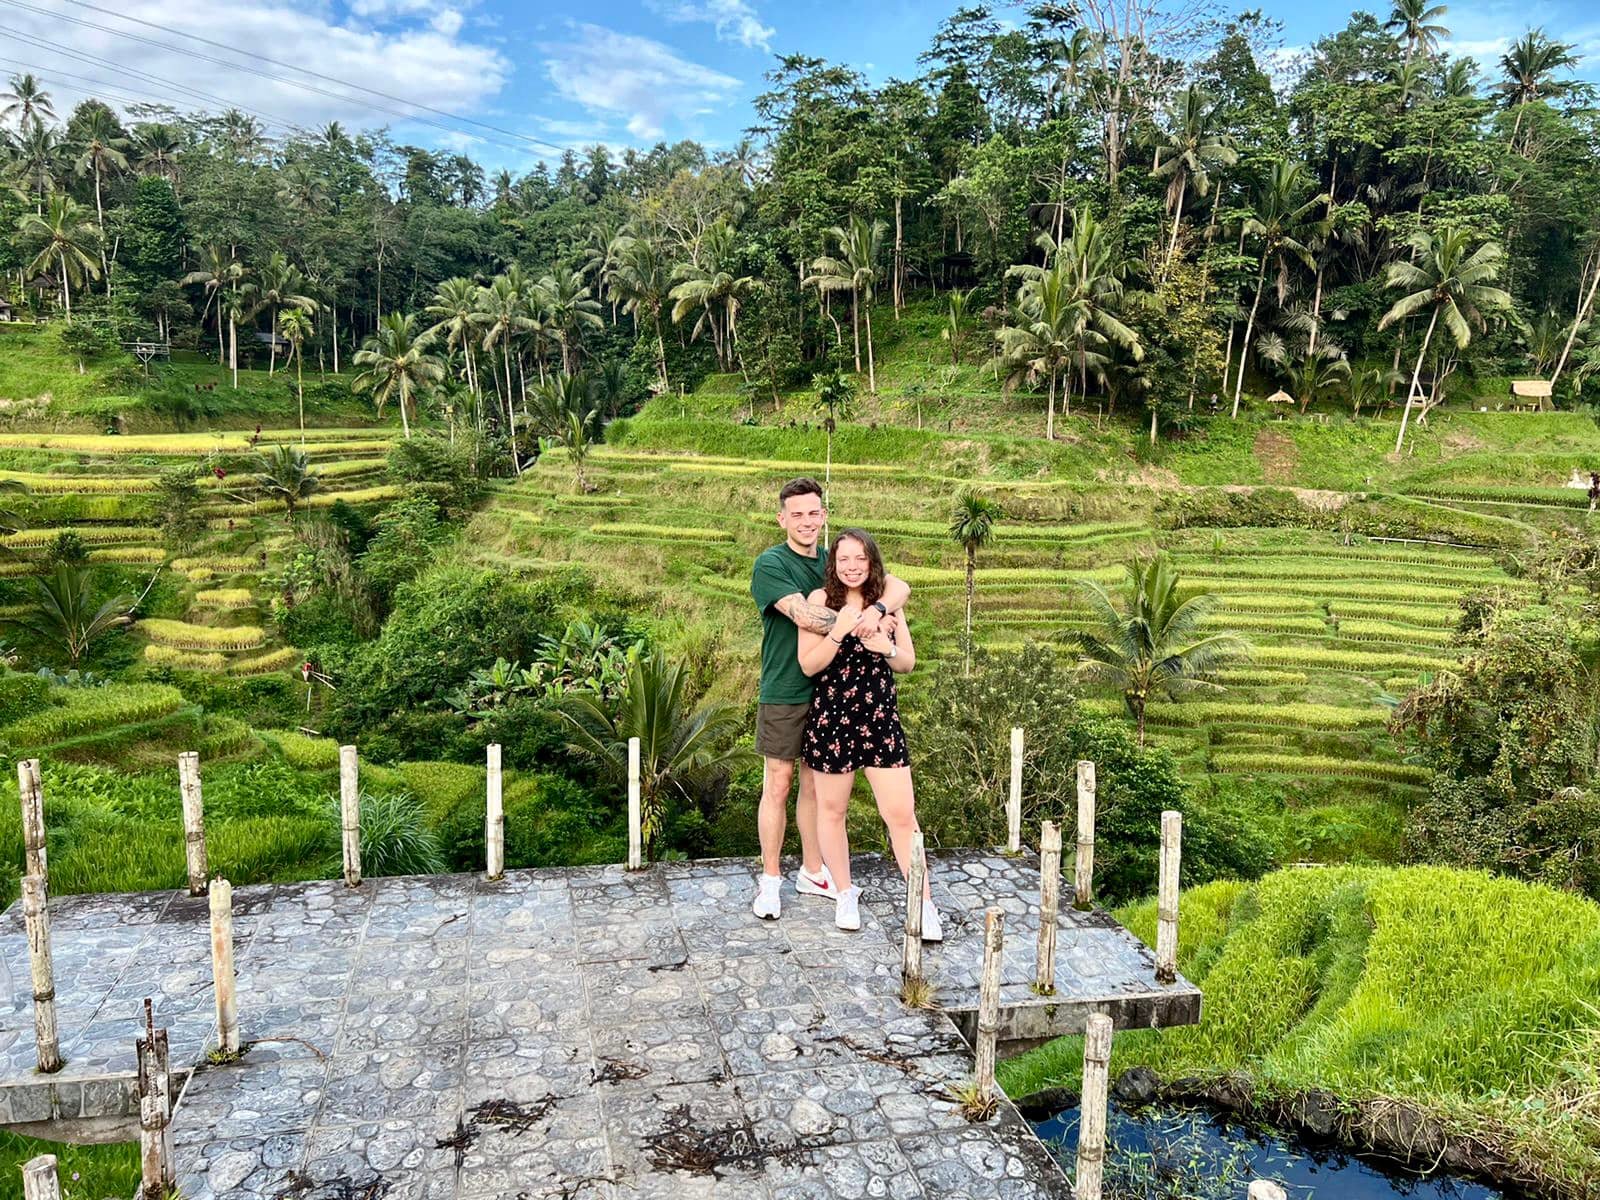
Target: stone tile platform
583	1033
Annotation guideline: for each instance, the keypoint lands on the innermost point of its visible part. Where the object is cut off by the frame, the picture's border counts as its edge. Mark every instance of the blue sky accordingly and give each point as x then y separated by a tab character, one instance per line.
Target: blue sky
567	72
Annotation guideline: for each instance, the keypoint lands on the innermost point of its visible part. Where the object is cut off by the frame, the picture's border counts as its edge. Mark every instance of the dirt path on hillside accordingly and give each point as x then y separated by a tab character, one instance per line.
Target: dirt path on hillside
1277	454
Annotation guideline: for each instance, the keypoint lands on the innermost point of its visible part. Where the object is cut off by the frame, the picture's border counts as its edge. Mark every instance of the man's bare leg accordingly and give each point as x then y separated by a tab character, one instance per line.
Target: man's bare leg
777	775
805	819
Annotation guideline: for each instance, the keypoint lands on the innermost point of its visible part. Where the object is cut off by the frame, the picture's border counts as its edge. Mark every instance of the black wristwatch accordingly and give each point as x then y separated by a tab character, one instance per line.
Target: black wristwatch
878	604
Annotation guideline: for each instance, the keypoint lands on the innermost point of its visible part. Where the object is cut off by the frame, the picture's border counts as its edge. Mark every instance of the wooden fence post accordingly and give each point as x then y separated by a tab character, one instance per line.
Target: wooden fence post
1083	874
911	951
635	811
1092	1108
194	821
494	826
1044	981
1014	797
1167	897
350	813
40	1180
989	1001
222	975
156	1172
30	786
36	914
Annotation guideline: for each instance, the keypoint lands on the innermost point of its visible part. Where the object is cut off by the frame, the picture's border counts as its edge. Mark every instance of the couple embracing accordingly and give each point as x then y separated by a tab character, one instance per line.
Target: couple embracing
834	636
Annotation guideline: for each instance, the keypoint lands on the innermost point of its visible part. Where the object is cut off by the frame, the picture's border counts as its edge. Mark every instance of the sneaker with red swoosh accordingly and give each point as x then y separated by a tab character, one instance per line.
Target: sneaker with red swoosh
820	884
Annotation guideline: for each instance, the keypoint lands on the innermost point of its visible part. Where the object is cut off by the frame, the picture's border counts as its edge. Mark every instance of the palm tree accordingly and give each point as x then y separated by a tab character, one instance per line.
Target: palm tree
64	611
644	282
1189	153
26	101
1152	645
1528	66
1316	374
1417	23
279	284
156	147
1367	388
294	325
568	309
854	270
972	528
1279	222
1046	328
566	411
398	365
1098	271
455	304
66	238
707	283
104	153
220	271
1445	274
954	329
239	305
285	472
38	149
683	751
501	316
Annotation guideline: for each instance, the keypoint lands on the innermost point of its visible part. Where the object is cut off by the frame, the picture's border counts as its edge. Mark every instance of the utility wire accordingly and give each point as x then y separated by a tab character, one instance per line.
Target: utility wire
60	78
277	62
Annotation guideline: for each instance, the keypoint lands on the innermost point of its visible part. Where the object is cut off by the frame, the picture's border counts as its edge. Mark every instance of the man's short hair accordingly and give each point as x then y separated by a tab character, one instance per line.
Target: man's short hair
799	487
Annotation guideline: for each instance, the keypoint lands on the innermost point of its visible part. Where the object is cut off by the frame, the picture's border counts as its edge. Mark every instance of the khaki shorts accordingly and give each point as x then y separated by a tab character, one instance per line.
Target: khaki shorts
781	730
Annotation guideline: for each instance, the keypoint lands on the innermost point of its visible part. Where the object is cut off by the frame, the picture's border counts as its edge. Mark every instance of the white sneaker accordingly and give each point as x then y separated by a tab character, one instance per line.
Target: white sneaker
847	909
768	904
820	884
932	931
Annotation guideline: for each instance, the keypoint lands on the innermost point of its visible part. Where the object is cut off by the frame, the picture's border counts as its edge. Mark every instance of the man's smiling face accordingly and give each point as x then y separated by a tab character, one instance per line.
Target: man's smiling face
802	518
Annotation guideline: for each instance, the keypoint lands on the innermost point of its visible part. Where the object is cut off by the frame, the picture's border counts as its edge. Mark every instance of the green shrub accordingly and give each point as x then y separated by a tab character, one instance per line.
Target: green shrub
395	838
21	695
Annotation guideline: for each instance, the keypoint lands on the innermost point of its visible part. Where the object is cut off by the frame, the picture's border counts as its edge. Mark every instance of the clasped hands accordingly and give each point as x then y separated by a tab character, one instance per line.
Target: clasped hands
874	629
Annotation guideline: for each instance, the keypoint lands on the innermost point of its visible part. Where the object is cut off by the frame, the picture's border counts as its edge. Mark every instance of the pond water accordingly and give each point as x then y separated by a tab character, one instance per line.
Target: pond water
1163	1152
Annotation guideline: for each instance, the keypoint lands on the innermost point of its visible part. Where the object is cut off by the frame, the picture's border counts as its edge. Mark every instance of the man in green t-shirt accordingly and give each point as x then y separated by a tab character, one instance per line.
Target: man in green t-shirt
781	582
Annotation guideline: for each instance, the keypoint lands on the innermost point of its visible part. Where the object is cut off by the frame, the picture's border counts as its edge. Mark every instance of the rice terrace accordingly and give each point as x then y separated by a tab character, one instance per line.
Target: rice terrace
734	601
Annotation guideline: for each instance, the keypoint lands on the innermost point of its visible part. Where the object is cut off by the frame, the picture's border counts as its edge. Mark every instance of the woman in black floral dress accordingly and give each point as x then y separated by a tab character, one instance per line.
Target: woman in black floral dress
854	722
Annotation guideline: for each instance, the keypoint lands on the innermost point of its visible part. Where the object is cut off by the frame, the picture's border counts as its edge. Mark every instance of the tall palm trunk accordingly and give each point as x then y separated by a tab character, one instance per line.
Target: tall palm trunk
1249	327
972	581
1416	377
100	218
872	372
855	324
1050	412
66	286
300	394
335	335
233	350
272	345
899	258
511	415
661	353
1177	214
405	425
1577	322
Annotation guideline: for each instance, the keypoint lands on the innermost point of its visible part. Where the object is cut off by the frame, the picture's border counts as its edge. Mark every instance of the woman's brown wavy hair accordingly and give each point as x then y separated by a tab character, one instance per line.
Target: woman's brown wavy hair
871	586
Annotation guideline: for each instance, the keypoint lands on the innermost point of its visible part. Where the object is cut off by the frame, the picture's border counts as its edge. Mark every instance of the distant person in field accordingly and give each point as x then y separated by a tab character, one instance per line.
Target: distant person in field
854	721
781	582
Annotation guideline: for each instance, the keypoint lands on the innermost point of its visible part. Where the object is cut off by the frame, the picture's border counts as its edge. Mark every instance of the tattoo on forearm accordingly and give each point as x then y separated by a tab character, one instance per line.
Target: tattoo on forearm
813	618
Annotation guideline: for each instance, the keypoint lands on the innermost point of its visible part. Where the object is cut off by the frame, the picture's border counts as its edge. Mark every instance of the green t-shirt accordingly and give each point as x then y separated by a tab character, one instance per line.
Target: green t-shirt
780	572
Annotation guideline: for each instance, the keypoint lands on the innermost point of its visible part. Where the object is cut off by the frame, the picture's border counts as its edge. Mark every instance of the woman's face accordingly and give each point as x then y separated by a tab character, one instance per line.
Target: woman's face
850	562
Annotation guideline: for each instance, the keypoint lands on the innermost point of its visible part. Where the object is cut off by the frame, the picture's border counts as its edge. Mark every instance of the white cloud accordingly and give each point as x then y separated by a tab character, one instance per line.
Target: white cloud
447	22
433	66
633	77
734	20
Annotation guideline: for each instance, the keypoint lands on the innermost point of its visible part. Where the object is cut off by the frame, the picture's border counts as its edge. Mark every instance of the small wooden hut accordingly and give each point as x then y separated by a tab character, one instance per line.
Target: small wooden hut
1535	394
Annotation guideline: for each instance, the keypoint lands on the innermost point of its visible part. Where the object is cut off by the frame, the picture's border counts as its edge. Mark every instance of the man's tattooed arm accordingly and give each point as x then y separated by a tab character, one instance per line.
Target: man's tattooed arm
814	618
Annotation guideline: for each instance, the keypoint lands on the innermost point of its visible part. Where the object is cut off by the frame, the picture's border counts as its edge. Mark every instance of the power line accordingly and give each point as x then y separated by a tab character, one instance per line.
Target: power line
295	83
317	74
59	78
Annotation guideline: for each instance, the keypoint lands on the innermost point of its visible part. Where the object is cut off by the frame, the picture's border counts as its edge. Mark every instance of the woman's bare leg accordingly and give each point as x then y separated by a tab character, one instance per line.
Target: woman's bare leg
891	788
833	800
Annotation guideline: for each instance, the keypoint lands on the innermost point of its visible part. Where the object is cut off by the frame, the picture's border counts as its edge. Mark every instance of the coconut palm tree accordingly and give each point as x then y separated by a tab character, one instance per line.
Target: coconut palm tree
219	271
1417	24
954	329
455	304
568	309
854	270
156	146
972	528
1452	279
280	284
644	281
65	238
683	750
1152	645
501	316
25	101
38	151
398	365
1044	333
64	611
565	410
1280	222
1528	65
294	326
104	154
285	473
707	284
1189	152
238	305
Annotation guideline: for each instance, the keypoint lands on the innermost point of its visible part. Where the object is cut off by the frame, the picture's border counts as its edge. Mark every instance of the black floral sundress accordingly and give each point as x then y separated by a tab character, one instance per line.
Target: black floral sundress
855	717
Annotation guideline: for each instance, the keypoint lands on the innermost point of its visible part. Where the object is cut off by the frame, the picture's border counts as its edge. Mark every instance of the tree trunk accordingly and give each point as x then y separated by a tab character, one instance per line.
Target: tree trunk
1249	326
661	354
1316	315
1050	412
300	396
855	323
233	350
1152	426
272	346
335	339
100	217
511	414
66	287
1577	322
972	564
1416	376
872	372
405	425
1177	214
899	257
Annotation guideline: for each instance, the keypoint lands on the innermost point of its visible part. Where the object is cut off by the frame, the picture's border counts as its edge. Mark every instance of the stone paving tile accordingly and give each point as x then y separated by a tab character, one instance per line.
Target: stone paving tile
420	1082
754	981
813	1106
758	1040
411	908
643	898
396	1159
408	966
650	941
513	1007
652	1130
684	1050
624	991
494	963
997	1160
403	1019
291	1030
271	971
527	1071
914	1097
875	1170
323	913
533	1147
239	1168
251	1098
714	941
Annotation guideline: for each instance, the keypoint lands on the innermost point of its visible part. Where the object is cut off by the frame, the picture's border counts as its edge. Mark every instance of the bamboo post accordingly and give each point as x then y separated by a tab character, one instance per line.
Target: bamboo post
1083	875
1014	798
635	810
1049	903
494	827
350	814
194	821
155	1111
989	1000
222	967
1167	897
911	951
30	787
1092	1108
40	1180
36	914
